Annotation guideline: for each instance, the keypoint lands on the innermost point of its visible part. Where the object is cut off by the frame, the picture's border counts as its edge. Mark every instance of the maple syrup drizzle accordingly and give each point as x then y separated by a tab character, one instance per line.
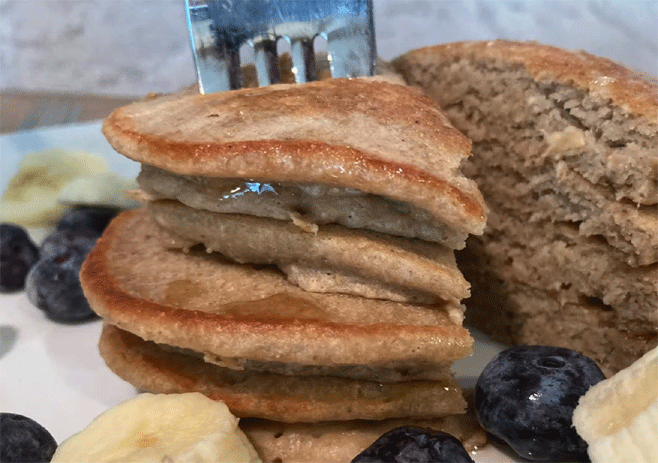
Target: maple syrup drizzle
277	306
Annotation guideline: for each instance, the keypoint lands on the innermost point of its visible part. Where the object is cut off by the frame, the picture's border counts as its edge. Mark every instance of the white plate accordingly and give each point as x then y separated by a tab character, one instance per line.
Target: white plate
53	373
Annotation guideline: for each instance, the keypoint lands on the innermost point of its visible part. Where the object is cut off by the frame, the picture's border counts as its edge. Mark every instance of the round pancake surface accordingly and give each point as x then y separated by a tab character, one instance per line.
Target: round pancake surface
381	138
264	395
340	442
198	301
413	269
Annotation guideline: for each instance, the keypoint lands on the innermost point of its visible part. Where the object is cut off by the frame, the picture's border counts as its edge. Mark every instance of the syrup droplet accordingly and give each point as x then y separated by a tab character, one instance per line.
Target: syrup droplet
179	293
278	306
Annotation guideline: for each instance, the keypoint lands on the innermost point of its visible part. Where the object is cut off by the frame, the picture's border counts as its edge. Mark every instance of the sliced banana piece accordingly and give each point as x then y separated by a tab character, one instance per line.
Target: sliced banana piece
103	189
618	417
31	195
161	428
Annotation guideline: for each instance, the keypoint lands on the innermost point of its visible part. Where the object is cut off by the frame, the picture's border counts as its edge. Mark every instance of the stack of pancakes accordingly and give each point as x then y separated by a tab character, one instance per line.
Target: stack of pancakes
565	152
295	257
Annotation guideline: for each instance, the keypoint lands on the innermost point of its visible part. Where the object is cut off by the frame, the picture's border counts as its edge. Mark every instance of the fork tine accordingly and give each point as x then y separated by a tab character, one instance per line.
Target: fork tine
267	62
219	28
303	60
229	65
345	60
217	63
351	41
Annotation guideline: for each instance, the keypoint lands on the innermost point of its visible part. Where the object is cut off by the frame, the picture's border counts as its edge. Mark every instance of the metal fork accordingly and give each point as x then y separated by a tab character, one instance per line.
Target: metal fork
220	28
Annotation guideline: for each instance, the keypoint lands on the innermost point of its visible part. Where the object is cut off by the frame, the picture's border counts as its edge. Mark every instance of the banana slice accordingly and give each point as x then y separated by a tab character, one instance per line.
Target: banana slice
103	189
161	428
618	417
31	195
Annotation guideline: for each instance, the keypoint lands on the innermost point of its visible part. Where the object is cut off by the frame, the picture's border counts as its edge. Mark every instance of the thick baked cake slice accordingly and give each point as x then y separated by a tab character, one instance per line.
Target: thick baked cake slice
564	152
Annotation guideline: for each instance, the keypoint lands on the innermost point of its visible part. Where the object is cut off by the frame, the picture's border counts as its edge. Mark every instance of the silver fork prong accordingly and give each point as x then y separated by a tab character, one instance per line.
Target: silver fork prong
217	62
219	28
303	60
351	43
267	62
229	61
346	58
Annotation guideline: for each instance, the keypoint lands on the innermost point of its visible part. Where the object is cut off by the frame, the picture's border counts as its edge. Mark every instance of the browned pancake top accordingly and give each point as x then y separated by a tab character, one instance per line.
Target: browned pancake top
378	137
418	268
272	396
203	303
599	76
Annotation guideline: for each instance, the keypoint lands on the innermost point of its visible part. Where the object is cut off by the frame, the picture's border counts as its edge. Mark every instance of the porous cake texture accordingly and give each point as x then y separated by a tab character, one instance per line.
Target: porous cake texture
565	153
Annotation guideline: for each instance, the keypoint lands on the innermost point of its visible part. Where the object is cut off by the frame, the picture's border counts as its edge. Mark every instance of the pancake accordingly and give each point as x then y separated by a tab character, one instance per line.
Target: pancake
340	442
312	204
276	397
564	152
331	258
295	258
376	373
583	88
365	134
200	302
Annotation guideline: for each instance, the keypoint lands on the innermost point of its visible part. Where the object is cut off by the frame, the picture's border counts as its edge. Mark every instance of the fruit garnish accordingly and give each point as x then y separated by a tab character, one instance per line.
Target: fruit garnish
30	198
53	285
156	428
18	253
526	396
22	439
618	418
105	189
94	219
417	445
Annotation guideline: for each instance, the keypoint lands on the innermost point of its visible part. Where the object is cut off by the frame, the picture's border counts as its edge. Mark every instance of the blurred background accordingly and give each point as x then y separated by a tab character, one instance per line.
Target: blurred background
114	51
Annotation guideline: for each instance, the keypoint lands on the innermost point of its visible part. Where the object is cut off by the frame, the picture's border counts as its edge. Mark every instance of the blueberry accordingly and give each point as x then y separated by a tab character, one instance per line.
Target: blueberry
68	241
411	444
53	285
93	219
526	396
17	255
24	440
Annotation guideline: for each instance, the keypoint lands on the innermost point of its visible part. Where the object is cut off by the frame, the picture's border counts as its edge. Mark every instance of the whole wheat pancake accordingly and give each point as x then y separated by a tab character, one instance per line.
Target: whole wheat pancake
201	302
340	442
376	137
376	373
601	94
272	396
331	258
311	204
564	152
